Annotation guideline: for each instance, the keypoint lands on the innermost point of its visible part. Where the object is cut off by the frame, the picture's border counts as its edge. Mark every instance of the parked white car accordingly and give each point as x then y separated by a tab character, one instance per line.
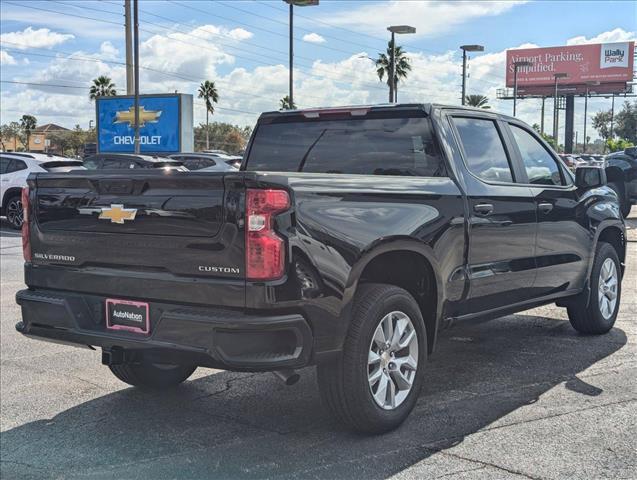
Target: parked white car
14	170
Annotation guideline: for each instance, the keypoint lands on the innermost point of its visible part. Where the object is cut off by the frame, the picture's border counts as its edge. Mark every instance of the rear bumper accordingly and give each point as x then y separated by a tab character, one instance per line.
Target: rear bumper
210	337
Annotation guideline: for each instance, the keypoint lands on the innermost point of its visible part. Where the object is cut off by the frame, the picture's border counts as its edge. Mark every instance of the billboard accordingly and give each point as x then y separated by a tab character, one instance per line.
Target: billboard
610	64
165	124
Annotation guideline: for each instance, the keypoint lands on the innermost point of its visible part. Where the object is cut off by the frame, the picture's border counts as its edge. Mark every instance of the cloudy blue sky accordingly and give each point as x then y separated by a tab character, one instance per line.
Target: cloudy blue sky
242	46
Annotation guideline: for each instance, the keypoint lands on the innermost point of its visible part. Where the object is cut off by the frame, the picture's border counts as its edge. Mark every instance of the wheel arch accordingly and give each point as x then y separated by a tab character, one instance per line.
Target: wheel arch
615	236
387	263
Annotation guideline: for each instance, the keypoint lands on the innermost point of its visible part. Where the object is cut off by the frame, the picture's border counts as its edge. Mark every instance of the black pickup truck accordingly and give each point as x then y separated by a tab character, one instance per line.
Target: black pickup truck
347	240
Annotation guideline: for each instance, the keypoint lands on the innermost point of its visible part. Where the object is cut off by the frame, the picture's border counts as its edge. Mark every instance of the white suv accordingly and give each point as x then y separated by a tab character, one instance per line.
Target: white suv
14	170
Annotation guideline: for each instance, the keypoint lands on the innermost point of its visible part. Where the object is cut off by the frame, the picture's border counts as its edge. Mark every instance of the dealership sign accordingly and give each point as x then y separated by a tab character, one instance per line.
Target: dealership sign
610	64
165	124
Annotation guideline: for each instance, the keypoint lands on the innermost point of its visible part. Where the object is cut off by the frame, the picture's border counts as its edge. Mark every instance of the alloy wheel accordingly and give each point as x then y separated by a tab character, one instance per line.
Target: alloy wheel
392	360
15	213
607	288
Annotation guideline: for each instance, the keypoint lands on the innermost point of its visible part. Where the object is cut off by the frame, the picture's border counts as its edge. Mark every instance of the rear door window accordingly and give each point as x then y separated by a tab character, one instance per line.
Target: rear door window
16	166
484	151
540	166
368	146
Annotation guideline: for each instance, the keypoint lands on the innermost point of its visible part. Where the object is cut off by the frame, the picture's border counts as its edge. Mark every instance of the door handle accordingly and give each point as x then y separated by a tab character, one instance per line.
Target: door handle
483	208
545	207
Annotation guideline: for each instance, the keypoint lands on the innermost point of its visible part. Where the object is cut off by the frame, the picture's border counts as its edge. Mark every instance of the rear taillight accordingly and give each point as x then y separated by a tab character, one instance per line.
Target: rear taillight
265	250
26	243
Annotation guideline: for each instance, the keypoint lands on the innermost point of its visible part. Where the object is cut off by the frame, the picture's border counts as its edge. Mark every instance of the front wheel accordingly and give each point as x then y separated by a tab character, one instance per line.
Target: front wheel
152	375
14	212
601	312
375	384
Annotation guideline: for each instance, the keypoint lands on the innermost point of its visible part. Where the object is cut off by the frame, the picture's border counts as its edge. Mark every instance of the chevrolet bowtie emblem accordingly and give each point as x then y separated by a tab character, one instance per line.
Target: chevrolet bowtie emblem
117	213
150	116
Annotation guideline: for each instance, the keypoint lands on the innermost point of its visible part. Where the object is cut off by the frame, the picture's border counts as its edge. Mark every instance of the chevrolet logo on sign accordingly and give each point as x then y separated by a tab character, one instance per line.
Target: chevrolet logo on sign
117	213
128	116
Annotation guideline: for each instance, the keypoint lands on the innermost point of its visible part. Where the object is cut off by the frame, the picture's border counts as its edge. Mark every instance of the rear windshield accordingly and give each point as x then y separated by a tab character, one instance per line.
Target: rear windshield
62	165
368	146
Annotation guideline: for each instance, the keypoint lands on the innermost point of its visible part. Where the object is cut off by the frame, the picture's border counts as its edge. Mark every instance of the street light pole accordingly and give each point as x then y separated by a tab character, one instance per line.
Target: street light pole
291	78
517	65
291	3
393	81
136	60
465	49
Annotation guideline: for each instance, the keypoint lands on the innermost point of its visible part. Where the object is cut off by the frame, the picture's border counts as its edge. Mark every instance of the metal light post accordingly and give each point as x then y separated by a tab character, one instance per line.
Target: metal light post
136	60
516	65
465	49
394	29
588	85
292	3
556	76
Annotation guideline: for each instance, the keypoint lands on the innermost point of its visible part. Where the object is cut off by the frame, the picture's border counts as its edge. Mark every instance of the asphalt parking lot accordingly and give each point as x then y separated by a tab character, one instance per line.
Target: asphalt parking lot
520	396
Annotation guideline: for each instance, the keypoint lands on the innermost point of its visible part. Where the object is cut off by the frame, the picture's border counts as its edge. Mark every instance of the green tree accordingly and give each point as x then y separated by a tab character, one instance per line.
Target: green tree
222	136
102	87
27	125
618	145
547	138
478	101
286	104
626	122
208	92
401	70
9	131
601	123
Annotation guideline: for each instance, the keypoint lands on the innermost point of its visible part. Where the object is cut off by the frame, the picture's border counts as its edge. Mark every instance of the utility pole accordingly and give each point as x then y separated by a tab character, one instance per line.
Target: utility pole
136	59
516	66
392	68
556	118
129	49
542	119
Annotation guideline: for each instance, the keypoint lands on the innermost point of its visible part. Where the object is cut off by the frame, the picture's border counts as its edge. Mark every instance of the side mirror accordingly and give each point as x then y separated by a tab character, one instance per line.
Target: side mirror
589	177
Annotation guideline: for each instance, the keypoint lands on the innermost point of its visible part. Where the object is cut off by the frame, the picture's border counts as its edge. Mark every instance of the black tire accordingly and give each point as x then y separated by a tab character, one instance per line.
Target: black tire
152	375
624	204
344	383
588	318
13	212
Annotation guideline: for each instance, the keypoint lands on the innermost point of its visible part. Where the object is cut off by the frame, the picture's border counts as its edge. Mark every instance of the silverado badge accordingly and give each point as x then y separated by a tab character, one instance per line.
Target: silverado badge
117	213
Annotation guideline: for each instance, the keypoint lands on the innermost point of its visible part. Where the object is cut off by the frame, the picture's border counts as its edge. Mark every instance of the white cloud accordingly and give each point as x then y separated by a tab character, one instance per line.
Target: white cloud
429	18
30	38
313	38
240	34
616	35
6	59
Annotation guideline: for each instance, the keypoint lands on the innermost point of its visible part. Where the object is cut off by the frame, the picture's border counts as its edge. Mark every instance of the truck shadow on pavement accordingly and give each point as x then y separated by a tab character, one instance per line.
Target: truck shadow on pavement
240	425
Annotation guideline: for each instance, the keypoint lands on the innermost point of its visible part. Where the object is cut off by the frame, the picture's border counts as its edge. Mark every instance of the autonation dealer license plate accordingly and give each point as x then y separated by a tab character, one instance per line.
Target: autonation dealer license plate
127	315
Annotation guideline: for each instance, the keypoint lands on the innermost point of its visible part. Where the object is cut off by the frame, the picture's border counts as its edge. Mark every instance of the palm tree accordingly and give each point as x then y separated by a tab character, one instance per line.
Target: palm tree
27	124
286	104
478	101
208	92
402	68
102	87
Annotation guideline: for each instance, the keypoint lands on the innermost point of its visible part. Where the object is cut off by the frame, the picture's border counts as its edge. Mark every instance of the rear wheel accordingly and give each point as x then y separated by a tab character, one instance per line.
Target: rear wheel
152	375
375	384
601	312
14	212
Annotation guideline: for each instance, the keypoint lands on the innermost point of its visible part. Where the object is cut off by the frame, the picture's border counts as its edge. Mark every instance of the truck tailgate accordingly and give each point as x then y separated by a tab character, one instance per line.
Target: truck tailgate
109	232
